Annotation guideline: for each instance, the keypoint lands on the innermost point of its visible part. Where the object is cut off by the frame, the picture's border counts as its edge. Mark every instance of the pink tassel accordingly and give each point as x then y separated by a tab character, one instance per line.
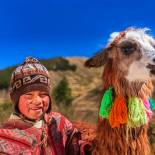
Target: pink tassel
147	109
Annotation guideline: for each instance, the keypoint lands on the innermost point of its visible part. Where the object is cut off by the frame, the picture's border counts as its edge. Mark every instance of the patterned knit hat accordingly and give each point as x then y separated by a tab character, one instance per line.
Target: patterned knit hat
29	76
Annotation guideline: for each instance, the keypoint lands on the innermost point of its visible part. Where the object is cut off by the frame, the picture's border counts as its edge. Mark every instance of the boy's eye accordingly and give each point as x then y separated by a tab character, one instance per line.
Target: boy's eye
43	95
28	95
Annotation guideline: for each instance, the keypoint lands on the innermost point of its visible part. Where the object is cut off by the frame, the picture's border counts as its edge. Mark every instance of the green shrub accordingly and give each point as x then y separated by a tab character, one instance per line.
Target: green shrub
58	64
5	76
62	93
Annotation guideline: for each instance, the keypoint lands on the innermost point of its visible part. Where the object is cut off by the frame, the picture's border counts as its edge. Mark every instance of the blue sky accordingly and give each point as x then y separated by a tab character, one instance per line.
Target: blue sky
51	28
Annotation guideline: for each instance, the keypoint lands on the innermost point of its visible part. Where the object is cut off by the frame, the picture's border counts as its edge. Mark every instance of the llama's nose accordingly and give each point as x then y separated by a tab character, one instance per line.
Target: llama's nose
154	60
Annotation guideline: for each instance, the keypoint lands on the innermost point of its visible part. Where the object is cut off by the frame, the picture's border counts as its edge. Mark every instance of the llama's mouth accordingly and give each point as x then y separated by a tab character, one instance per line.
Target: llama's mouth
152	68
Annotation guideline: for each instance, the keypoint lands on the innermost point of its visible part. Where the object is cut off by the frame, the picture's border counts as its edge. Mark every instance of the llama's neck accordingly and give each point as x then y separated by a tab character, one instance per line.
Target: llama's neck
122	140
115	77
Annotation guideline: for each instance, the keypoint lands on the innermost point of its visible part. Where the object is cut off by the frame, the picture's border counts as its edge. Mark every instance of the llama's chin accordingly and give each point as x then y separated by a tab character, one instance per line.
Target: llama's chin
152	72
151	67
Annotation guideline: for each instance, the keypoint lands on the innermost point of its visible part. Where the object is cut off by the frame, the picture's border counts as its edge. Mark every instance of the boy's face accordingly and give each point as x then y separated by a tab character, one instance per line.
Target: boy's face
34	104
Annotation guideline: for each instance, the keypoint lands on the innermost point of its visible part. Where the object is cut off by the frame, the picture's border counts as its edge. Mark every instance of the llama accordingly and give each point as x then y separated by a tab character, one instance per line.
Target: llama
125	111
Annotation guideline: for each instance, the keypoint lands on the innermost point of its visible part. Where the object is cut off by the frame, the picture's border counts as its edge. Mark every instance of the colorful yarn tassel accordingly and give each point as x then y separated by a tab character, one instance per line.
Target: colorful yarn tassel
152	103
118	114
147	109
106	104
136	113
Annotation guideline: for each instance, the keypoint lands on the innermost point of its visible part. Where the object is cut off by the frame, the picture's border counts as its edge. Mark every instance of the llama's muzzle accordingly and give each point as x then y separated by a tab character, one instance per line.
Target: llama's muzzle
152	68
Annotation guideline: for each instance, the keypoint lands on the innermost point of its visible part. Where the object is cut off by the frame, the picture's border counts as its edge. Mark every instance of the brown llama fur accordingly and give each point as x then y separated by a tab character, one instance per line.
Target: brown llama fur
115	141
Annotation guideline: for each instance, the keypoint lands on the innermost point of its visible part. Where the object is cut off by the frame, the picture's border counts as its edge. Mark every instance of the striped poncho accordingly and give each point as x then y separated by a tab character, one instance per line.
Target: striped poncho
53	135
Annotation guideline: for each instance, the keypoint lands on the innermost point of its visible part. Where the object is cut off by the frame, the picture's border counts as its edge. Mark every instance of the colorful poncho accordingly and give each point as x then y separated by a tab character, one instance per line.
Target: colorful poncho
56	138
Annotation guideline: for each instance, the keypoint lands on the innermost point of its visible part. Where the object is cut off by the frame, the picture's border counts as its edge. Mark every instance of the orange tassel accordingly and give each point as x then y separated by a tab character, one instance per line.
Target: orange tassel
119	112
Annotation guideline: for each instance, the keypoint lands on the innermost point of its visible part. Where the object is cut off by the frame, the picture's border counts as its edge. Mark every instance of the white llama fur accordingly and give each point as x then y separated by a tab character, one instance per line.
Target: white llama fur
146	41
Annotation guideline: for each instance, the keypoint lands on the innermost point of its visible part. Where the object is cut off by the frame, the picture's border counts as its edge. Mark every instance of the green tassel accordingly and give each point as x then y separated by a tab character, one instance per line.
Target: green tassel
152	103
136	113
106	104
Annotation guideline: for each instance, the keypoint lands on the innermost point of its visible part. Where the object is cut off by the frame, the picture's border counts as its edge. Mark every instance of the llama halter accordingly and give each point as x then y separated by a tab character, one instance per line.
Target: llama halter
134	112
117	39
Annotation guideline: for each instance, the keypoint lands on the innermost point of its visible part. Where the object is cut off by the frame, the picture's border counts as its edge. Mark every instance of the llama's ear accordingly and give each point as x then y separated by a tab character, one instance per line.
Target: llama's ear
98	60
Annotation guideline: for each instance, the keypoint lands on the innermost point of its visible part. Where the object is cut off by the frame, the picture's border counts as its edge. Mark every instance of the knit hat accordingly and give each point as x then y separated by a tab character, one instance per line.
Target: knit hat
29	76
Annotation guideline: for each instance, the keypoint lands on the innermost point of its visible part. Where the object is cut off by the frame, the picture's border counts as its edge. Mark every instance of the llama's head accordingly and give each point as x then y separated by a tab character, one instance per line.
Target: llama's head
132	51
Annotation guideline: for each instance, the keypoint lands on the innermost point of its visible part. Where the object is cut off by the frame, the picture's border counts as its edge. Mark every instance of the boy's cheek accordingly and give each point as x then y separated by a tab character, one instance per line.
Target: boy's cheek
23	108
45	107
23	105
46	103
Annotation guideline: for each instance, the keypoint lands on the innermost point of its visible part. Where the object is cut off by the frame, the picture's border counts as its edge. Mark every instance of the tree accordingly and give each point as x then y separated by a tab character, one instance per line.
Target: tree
62	93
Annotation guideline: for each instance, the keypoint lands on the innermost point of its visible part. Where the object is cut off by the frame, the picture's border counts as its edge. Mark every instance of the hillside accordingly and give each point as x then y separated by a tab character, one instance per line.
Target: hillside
85	85
86	89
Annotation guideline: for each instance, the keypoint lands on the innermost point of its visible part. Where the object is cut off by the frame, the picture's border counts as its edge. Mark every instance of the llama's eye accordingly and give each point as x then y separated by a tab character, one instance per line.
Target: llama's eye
127	48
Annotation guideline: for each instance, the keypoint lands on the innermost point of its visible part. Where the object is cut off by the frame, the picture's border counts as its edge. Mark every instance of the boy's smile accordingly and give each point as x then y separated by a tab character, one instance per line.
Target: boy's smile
34	104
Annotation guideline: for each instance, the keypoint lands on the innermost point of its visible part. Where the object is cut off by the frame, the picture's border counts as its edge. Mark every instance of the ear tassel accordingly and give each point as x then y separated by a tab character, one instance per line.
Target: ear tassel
106	104
118	114
152	103
136	113
147	109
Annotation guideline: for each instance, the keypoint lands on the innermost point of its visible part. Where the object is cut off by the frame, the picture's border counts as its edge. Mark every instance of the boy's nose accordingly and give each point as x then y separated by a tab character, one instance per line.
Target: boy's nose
37	100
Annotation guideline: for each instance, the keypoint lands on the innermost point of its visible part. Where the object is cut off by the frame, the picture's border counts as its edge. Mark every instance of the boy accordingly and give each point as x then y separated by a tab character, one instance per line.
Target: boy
33	129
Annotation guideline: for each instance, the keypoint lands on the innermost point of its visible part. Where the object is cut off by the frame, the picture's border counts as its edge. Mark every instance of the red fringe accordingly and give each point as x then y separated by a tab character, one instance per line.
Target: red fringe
119	112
